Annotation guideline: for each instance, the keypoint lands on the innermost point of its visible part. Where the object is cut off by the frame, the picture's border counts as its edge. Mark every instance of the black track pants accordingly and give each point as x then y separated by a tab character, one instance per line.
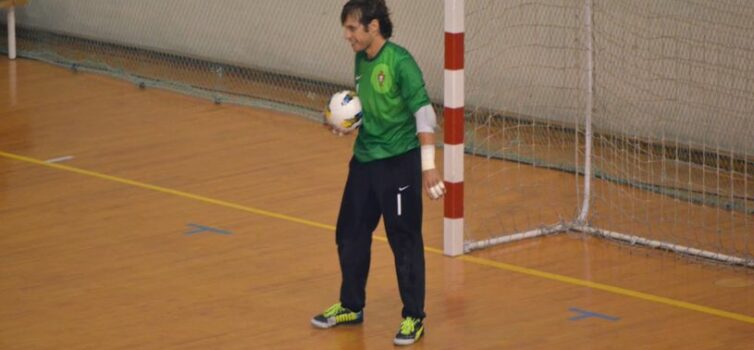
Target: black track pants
391	188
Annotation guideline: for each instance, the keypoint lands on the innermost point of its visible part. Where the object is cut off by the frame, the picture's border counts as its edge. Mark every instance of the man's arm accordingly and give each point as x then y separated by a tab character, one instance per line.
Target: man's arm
426	122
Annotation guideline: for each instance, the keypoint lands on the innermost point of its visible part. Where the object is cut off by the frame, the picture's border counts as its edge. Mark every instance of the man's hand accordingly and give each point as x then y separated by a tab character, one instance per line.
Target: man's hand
332	129
433	184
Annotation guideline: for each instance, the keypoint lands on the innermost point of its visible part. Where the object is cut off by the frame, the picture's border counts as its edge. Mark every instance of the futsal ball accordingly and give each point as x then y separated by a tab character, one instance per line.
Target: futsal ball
344	111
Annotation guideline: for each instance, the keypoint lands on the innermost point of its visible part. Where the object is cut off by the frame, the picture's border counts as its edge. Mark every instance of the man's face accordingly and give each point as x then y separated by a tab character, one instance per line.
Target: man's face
359	36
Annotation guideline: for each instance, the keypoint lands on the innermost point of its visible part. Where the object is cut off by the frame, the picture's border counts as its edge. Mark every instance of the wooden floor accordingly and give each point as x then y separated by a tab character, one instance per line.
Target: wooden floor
99	251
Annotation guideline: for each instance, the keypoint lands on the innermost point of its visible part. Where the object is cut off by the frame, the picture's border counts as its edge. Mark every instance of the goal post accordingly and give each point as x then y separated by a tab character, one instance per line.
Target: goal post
454	127
10	8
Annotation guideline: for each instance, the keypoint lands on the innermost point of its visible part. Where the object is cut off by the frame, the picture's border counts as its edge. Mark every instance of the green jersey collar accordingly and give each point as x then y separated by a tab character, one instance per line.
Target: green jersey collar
366	57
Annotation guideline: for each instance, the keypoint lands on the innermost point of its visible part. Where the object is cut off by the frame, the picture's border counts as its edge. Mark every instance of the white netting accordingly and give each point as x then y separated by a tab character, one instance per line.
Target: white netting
674	119
525	70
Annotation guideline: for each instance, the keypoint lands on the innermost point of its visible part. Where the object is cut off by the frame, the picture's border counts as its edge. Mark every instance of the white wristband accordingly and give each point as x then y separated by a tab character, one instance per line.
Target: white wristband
428	157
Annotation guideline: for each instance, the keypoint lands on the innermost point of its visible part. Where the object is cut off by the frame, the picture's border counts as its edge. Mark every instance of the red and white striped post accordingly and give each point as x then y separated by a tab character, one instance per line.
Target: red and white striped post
454	125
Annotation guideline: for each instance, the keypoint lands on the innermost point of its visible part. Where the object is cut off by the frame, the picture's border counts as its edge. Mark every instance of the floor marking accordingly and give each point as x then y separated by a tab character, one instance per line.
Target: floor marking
167	191
201	228
59	159
735	282
466	258
582	314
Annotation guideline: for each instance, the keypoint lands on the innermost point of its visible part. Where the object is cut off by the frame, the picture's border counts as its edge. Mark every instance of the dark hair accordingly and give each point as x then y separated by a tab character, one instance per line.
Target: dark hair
369	10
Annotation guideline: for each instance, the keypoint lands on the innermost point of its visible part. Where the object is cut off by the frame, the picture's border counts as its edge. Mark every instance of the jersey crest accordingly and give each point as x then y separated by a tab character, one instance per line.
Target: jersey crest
382	79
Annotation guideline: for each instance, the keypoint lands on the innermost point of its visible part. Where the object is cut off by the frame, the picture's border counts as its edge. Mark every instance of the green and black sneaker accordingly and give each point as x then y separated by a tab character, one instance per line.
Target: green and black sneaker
337	315
411	331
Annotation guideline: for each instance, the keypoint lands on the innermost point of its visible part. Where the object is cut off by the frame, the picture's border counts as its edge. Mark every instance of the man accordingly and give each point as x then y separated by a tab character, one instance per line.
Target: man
393	163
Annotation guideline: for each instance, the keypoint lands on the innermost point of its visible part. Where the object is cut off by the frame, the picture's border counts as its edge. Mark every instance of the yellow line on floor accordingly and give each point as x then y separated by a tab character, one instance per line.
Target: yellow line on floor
167	191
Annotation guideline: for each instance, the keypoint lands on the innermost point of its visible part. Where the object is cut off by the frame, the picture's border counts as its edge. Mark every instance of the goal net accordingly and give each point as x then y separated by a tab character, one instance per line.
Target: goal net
670	131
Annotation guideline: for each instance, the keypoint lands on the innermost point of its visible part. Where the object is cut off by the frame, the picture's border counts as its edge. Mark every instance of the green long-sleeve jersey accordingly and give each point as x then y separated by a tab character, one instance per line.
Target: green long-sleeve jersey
391	89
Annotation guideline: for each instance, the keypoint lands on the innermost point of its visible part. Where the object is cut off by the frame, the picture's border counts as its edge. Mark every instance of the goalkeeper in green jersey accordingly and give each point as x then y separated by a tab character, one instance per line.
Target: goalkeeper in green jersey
393	163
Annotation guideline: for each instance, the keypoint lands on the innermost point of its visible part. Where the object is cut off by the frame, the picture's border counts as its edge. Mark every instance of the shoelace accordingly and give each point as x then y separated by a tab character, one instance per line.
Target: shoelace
408	325
333	310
